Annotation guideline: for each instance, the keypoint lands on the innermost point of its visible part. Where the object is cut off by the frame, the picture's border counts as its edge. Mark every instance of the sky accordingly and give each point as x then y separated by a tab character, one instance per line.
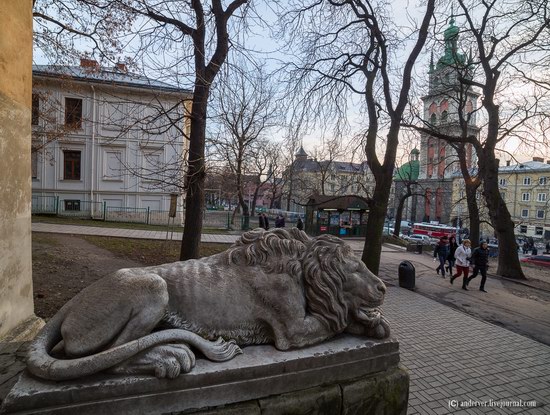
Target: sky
268	47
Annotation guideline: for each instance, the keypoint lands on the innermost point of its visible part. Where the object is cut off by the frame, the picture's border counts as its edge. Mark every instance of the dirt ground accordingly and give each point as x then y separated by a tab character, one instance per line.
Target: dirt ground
63	265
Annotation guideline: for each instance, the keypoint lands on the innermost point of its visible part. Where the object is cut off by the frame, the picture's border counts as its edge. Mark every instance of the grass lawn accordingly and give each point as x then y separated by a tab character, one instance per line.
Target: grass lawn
149	252
118	225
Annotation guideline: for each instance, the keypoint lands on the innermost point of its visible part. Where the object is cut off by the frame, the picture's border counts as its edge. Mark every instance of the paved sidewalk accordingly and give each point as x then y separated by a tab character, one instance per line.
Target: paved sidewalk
453	358
126	233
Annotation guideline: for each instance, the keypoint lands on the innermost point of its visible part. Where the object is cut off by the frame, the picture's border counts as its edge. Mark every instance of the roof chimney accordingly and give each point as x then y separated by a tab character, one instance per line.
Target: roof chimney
122	67
89	64
539	159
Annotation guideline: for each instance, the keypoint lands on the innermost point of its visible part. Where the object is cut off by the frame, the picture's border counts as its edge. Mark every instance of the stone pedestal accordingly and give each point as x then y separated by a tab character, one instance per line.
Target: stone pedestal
347	375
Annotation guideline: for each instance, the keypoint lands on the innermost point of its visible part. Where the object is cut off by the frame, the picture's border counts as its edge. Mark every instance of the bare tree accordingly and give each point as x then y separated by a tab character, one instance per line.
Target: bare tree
510	49
247	110
350	46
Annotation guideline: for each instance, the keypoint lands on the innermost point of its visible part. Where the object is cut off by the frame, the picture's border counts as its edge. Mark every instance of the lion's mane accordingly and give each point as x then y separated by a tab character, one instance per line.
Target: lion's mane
315	263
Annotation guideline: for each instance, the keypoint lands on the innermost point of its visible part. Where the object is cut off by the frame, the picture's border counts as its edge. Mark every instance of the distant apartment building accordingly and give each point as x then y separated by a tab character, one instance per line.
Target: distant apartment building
106	137
525	187
308	176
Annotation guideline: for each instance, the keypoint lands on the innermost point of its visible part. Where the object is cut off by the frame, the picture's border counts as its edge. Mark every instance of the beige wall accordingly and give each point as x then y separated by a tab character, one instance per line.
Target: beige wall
16	299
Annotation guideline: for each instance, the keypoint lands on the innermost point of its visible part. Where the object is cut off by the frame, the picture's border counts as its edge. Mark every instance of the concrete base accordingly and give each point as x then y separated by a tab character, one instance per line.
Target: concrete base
346	375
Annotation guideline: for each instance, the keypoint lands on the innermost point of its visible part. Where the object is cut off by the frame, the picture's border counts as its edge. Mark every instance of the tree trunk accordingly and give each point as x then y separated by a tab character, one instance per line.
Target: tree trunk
399	212
471	185
194	203
378	207
473	213
508	260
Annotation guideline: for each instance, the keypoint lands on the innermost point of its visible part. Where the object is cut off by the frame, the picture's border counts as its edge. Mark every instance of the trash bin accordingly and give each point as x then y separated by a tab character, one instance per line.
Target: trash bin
407	275
414	247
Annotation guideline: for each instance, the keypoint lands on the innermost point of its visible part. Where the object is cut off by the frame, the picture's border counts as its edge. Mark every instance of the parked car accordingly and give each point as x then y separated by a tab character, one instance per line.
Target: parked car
423	239
540	260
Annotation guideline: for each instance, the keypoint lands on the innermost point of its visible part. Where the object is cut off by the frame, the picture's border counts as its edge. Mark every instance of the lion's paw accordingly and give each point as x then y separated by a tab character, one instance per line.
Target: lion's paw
381	330
163	361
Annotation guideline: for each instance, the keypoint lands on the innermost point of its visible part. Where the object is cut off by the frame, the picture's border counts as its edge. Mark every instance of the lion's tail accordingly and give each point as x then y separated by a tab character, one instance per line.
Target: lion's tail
41	364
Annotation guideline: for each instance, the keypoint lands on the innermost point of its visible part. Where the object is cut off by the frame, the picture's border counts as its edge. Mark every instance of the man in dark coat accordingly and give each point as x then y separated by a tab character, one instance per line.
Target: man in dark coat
480	259
441	251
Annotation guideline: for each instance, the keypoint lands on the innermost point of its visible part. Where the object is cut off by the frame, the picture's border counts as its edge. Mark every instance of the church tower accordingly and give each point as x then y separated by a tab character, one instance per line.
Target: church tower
446	99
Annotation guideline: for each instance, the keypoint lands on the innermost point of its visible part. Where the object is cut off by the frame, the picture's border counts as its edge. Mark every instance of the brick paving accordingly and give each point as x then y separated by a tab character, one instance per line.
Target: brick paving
451	357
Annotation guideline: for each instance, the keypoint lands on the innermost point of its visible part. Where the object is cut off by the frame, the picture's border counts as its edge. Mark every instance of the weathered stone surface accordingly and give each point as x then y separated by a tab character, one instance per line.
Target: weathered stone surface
386	395
16	301
248	408
325	400
262	371
277	287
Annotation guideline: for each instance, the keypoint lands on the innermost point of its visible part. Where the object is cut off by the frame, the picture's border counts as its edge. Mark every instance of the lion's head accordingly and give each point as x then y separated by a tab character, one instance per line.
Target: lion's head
340	291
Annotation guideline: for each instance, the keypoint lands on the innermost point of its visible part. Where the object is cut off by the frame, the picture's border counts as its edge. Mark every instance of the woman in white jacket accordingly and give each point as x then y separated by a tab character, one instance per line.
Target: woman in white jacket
462	255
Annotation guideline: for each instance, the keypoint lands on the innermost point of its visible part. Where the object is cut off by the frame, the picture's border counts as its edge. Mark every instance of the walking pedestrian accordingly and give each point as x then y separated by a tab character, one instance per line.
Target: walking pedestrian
261	221
266	221
280	221
441	252
480	259
451	258
462	255
300	224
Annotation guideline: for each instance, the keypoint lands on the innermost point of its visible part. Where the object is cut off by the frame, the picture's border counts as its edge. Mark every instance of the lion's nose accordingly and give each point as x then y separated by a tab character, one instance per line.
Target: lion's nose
381	287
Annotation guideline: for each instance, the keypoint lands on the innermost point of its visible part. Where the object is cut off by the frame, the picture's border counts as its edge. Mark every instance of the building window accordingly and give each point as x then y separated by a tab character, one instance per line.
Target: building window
73	112
542	180
35	116
71	165
433	119
540	214
526	197
525	213
503	196
73	205
444	116
541	197
112	165
523	229
34	164
502	182
538	230
526	181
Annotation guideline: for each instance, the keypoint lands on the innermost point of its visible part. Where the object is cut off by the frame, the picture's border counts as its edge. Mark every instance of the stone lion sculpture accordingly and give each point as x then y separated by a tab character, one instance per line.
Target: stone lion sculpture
277	286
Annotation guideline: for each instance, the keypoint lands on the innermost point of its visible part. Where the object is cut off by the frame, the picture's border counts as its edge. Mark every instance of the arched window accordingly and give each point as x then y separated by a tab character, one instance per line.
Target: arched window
431	156
433	119
438	203
444	106
427	204
444	117
442	164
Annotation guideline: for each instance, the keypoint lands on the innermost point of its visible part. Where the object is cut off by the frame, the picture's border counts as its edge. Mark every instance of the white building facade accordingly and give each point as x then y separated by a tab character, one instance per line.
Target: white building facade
106	139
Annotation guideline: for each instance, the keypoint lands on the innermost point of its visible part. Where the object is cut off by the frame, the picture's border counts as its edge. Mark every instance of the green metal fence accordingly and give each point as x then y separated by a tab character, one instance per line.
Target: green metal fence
126	214
80	209
45	204
69	207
